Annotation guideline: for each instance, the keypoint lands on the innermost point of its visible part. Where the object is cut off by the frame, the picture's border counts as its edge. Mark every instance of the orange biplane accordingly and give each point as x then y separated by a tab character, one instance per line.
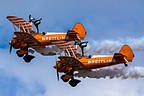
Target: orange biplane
70	64
27	40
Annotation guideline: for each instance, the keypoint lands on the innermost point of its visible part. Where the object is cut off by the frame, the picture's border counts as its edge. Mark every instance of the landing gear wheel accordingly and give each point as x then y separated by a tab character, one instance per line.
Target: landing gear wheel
19	55
65	78
126	65
28	58
74	82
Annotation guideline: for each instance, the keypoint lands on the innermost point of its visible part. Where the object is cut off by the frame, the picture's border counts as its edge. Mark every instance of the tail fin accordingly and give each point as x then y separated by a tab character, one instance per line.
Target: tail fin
127	52
79	28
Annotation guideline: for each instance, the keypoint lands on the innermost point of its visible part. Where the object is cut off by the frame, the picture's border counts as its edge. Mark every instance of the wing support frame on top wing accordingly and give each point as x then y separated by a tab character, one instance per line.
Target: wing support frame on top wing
26	30
22	24
21	28
72	51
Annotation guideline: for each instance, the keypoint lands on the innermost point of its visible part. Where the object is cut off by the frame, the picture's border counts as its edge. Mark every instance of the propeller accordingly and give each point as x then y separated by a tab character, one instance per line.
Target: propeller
57	69
11	46
10	49
57	74
12	43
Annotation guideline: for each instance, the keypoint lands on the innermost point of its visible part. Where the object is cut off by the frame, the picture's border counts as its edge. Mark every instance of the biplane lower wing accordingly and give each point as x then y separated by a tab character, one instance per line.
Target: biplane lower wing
28	39
73	62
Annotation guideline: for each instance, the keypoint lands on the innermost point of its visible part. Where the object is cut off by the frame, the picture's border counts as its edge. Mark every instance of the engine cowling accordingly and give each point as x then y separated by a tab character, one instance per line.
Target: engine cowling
62	67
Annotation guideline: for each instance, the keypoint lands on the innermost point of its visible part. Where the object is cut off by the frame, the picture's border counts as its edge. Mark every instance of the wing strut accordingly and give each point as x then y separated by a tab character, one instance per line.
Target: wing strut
72	52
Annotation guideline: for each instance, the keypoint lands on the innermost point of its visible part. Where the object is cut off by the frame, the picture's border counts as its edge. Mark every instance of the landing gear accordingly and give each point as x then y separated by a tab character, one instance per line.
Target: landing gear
126	65
65	78
18	52
69	75
74	82
28	58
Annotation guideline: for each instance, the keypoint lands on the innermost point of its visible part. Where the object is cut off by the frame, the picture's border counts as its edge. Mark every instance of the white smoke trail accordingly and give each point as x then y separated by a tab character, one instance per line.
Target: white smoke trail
123	73
110	46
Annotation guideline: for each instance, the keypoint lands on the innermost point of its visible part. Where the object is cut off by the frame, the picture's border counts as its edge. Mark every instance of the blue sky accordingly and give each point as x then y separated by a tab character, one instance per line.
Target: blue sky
116	21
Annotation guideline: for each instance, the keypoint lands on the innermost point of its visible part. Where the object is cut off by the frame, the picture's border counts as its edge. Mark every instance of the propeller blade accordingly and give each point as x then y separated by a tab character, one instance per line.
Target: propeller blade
57	68
10	49
57	75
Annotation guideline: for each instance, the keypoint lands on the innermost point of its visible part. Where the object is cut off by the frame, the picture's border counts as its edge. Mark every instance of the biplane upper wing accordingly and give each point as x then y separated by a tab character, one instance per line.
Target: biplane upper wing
21	23
28	39
73	62
67	48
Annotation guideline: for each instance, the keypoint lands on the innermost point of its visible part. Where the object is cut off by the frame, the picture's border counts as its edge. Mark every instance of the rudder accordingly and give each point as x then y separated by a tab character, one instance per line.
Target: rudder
127	52
79	28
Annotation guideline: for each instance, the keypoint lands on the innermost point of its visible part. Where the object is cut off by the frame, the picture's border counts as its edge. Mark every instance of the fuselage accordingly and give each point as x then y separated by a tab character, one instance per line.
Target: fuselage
100	61
93	62
49	37
40	41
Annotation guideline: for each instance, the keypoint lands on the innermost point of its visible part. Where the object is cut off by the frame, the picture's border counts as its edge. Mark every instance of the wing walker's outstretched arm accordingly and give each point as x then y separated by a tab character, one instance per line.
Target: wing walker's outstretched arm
82	45
35	22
